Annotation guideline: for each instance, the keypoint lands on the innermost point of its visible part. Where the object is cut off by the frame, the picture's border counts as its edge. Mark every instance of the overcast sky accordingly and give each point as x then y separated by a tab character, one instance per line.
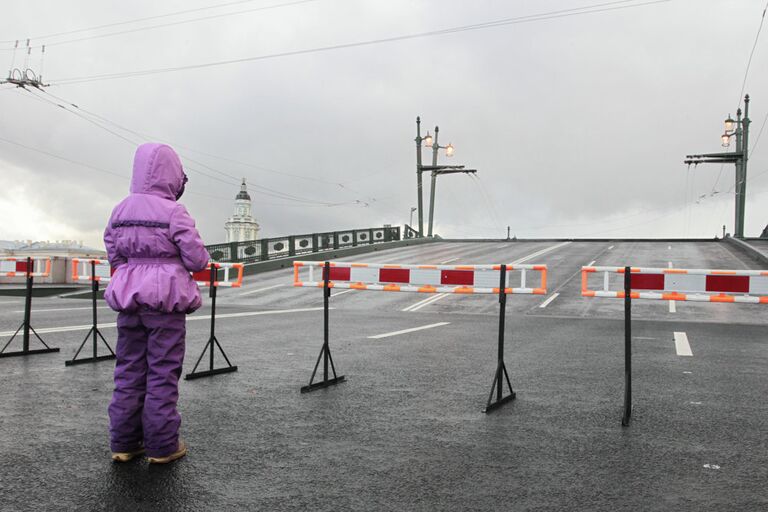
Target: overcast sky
577	125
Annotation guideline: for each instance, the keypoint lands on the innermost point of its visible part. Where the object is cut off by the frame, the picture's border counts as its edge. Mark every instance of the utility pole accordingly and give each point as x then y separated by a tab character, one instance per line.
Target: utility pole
740	130
435	148
418	176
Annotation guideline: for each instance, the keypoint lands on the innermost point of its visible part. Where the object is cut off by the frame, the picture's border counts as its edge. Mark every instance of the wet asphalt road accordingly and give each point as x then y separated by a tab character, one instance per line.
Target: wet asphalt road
406	431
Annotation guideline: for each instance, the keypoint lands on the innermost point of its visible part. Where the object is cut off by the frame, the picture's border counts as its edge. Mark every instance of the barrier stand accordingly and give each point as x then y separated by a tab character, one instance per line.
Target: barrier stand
26	324
209	346
627	347
325	352
697	285
501	368
95	332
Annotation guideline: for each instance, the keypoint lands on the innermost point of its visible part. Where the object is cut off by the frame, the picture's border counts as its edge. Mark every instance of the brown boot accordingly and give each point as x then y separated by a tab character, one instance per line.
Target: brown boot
126	456
179	453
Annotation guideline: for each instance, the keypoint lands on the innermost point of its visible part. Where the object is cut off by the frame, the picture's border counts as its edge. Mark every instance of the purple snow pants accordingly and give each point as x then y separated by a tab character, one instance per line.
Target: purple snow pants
150	352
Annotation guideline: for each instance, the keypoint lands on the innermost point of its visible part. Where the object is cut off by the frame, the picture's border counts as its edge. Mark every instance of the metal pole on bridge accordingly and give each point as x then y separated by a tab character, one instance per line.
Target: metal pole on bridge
418	177
26	326
627	346
325	351
501	368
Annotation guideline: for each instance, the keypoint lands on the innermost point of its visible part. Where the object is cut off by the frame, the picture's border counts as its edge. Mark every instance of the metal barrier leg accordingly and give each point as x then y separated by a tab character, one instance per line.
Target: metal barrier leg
627	347
209	346
94	332
325	352
501	368
26	326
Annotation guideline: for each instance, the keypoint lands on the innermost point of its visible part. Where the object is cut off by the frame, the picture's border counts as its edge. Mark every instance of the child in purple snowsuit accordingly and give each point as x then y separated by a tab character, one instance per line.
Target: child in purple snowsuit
152	245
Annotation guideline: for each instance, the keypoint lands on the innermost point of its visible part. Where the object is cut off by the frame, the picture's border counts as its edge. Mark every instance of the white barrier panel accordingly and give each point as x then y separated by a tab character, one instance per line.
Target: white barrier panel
103	272
203	278
701	285
25	267
466	279
81	270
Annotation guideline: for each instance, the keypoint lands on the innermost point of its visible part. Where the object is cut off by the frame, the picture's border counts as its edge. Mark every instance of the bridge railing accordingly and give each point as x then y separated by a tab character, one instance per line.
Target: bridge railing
281	247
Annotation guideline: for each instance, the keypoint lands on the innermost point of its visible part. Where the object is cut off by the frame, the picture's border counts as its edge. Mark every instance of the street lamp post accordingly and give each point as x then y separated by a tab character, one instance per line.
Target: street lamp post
410	221
418	176
739	129
449	153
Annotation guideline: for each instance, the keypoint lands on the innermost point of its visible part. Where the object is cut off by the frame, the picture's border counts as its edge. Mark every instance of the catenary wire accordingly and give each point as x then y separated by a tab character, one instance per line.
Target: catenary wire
158	16
590	9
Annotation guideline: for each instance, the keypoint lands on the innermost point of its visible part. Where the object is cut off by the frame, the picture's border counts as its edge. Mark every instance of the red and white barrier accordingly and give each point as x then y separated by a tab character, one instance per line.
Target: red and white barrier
467	279
101	270
743	286
203	278
25	267
103	273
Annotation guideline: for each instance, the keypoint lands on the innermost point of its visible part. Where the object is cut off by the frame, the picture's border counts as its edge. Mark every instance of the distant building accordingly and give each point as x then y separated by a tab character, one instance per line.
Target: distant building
242	226
60	252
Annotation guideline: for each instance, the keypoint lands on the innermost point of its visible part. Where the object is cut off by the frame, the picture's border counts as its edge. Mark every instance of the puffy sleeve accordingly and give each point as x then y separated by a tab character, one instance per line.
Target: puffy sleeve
115	259
184	234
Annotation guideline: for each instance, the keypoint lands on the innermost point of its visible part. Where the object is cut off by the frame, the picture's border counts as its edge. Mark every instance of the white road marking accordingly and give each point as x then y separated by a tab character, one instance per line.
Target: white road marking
672	303
422	301
681	344
591	263
688	372
695	403
431	300
257	290
191	318
405	331
711	466
36	311
342	293
611	247
448	261
642	338
550	299
539	253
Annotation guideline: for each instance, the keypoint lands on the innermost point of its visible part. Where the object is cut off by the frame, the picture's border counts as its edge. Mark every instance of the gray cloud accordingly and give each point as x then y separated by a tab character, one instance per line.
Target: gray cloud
578	125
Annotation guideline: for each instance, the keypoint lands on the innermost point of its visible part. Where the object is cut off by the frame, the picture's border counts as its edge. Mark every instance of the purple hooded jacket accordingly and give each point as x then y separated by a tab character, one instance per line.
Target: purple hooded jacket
151	240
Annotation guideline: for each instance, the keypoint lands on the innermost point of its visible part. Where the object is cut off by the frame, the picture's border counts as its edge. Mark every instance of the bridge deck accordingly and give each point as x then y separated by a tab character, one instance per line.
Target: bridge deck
406	432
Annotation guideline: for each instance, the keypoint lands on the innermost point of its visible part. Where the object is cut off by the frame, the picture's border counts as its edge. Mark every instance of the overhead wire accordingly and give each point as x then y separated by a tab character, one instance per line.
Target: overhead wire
158	16
589	9
235	180
752	53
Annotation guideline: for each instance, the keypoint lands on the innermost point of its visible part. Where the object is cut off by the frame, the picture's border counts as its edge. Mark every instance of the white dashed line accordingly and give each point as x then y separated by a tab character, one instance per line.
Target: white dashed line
257	290
611	247
682	346
405	331
342	293
549	300
448	261
36	311
189	319
425	302
539	253
591	263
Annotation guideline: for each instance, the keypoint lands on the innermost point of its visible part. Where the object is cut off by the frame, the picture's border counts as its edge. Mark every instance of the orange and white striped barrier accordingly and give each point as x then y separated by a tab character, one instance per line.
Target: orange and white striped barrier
466	279
210	275
461	279
25	267
101	271
742	286
701	285
233	273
